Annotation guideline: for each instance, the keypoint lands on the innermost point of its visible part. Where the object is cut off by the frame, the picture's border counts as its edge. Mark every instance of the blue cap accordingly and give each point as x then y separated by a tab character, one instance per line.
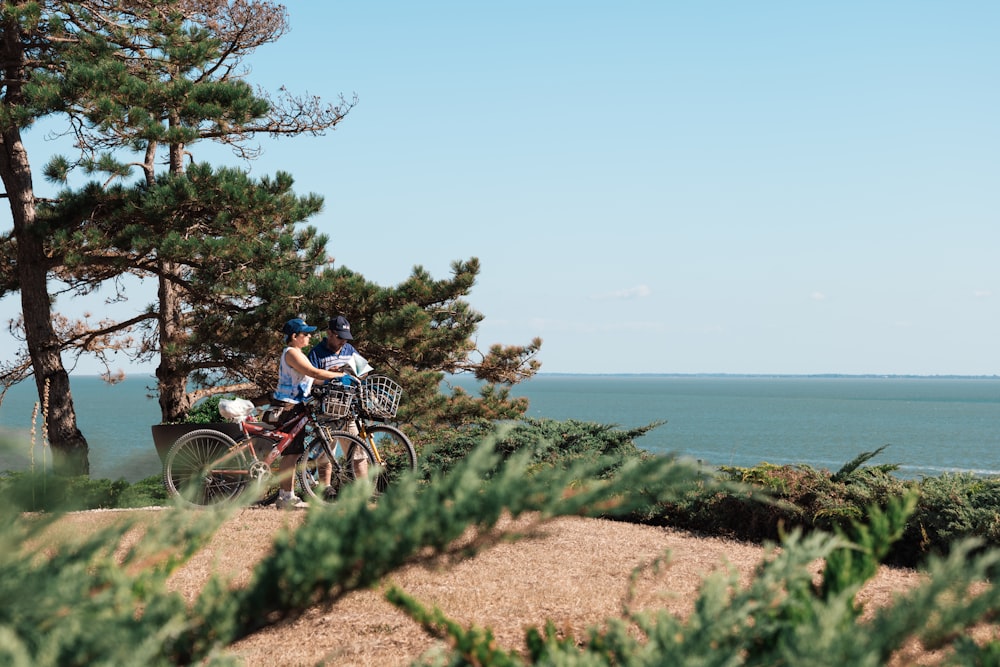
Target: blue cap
295	326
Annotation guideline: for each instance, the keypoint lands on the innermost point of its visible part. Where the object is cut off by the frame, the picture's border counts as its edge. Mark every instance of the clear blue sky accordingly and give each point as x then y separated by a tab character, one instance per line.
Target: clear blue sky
768	187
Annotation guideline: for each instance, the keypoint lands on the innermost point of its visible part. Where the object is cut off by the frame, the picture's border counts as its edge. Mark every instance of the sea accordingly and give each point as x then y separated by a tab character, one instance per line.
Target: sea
928	425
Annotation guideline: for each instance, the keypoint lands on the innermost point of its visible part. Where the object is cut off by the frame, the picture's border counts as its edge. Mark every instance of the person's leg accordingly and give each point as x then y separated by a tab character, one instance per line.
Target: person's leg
286	464
360	462
324	466
286	484
325	469
286	473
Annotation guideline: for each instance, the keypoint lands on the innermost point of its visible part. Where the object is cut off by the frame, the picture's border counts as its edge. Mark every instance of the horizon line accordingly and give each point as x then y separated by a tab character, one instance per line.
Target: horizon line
705	374
784	375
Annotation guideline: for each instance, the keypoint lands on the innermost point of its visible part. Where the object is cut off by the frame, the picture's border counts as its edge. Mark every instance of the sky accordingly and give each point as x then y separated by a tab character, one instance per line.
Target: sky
662	187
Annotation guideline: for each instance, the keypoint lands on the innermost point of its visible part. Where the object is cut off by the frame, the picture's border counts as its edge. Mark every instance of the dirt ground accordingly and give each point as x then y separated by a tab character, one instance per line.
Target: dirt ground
573	571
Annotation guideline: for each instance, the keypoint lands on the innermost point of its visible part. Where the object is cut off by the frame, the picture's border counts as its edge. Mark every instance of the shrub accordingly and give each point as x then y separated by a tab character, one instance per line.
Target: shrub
145	493
34	492
547	442
205	411
953	507
948	508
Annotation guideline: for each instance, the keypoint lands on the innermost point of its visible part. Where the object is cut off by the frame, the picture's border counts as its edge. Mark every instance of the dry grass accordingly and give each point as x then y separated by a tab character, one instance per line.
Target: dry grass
573	571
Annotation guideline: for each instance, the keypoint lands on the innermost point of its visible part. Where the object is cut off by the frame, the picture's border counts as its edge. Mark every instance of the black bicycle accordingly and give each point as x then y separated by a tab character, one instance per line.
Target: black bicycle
361	409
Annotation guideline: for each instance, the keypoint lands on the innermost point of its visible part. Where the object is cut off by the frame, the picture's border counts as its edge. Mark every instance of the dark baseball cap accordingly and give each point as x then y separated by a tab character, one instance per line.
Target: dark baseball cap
340	326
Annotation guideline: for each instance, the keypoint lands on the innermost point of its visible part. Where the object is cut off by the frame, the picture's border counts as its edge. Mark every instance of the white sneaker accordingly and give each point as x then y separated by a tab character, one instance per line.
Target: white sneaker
290	502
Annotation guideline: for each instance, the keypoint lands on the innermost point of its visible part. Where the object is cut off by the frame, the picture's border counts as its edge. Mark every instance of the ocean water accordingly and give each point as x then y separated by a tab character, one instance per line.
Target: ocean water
930	425
115	419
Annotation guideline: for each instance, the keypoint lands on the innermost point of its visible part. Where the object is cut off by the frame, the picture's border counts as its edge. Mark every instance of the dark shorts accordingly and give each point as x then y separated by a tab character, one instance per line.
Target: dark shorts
288	414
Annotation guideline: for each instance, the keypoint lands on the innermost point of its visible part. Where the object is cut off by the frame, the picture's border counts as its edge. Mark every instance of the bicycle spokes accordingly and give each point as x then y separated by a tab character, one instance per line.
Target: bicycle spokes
206	468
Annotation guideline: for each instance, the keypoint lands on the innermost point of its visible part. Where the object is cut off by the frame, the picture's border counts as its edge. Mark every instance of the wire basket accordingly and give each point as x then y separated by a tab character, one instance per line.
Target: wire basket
380	396
337	401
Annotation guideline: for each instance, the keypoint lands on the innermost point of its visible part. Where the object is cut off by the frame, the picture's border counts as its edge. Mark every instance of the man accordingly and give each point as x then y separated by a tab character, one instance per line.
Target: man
334	350
333	353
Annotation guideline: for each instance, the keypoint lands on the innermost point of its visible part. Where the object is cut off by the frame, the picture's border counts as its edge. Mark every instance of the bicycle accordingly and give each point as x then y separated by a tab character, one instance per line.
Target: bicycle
207	467
366	403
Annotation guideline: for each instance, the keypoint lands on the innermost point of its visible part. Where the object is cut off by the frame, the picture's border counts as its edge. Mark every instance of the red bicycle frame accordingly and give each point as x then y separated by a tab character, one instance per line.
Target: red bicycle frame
281	439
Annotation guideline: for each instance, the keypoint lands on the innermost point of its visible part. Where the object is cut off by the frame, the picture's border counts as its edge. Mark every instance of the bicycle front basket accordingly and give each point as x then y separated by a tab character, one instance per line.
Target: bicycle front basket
337	400
380	396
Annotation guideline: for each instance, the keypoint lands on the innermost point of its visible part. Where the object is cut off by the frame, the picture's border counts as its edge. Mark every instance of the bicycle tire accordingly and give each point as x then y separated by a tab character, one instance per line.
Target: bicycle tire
396	451
307	467
205	468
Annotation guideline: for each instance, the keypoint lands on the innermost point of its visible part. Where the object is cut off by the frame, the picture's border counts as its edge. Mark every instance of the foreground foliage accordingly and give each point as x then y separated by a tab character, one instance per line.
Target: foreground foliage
781	618
751	504
85	591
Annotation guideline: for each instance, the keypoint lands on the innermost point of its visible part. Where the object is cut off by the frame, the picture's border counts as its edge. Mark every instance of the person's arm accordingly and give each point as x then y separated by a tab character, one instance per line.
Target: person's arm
297	360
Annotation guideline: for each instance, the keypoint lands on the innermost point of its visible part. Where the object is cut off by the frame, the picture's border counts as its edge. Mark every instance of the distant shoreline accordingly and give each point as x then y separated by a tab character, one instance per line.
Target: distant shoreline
858	376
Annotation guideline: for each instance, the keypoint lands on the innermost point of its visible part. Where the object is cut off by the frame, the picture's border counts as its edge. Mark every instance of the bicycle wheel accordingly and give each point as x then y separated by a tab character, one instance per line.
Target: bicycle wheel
307	468
395	450
205	467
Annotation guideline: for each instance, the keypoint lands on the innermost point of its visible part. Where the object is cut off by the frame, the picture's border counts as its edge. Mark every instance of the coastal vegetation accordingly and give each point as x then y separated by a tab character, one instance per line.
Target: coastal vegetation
755	504
851	520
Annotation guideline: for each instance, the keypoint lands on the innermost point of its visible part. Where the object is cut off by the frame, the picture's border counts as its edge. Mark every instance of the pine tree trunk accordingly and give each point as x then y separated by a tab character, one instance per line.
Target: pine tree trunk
70	452
172	373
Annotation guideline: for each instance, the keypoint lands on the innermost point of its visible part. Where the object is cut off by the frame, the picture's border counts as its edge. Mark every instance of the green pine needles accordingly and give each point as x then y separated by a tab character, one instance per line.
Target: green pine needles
781	618
103	599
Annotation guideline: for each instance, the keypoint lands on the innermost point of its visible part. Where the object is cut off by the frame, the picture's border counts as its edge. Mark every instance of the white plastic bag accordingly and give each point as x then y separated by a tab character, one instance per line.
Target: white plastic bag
236	409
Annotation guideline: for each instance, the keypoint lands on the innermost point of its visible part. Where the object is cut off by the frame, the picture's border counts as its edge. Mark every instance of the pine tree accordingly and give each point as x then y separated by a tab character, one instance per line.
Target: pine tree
230	263
170	77
234	256
32	47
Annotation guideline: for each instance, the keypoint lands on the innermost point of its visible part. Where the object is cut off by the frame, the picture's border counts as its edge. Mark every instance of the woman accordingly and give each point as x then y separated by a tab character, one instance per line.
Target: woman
295	380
